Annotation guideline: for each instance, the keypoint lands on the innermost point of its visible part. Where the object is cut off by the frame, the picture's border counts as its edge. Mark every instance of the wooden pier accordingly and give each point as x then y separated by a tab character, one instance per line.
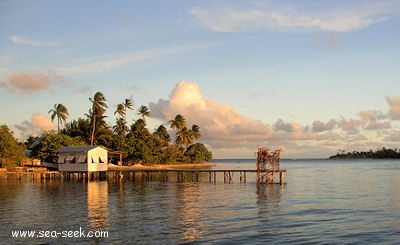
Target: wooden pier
54	175
267	167
178	175
192	175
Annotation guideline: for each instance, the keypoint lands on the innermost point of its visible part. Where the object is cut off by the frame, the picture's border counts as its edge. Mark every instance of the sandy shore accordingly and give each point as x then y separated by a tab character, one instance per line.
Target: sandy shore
160	166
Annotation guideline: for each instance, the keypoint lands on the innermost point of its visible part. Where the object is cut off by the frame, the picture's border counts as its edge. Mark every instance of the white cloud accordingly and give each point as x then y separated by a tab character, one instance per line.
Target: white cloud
394	104
37	124
218	122
230	134
33	42
288	18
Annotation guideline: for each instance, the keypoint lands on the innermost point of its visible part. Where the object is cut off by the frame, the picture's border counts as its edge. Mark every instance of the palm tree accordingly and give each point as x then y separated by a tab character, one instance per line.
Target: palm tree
120	110
98	108
184	137
61	112
178	123
128	105
144	111
120	127
121	122
162	134
79	129
196	131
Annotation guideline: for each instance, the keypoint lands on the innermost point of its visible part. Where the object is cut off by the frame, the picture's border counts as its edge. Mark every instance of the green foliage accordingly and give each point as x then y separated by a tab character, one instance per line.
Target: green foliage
49	142
79	129
99	107
61	112
197	153
11	153
378	154
136	142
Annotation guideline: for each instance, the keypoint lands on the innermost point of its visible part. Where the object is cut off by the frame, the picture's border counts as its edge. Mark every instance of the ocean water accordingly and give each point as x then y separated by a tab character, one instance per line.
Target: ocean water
322	202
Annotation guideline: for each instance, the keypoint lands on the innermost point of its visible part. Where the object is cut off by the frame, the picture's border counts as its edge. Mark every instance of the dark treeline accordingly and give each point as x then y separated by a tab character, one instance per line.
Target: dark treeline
134	141
378	154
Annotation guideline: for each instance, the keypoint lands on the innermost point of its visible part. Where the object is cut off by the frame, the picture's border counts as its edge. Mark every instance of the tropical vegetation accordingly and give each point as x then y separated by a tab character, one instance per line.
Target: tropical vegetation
134	141
11	152
378	154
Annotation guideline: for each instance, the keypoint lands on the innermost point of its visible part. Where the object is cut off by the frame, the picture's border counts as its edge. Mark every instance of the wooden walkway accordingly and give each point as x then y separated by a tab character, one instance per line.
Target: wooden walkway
180	175
183	175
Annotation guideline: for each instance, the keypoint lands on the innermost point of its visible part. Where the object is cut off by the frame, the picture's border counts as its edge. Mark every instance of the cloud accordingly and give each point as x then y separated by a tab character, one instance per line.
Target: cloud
394	107
369	120
288	18
228	133
37	124
280	125
218	122
33	42
296	132
30	82
318	126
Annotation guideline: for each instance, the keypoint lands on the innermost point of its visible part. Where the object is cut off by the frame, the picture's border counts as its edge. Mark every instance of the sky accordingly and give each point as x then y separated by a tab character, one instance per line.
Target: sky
309	77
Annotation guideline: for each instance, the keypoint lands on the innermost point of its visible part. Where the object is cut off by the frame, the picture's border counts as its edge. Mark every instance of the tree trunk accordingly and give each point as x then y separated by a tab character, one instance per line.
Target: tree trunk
94	125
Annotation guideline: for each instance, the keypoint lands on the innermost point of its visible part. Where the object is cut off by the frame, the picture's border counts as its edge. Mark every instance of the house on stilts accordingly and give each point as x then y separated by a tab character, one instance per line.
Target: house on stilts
89	162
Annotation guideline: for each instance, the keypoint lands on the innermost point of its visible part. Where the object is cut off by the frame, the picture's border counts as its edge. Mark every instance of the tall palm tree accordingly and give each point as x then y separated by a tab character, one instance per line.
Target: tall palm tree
184	137
144	111
99	106
120	127
121	122
128	105
61	112
162	134
120	111
178	123
196	131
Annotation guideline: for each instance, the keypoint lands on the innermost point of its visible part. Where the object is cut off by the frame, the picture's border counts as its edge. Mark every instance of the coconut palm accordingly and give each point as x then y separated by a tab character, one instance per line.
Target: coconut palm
120	127
99	107
184	137
144	111
162	134
178	123
196	131
128	105
120	110
61	112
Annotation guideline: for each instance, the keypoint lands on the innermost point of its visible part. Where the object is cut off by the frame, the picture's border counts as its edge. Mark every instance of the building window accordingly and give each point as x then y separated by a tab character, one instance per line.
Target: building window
61	159
82	159
70	159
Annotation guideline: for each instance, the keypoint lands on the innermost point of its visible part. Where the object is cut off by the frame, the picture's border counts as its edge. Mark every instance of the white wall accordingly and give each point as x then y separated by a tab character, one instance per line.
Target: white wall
97	160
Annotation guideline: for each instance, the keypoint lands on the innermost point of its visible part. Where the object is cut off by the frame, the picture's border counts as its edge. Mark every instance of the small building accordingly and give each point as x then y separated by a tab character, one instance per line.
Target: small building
82	159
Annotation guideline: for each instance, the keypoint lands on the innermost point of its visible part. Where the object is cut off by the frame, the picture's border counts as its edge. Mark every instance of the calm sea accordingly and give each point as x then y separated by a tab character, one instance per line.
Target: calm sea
322	202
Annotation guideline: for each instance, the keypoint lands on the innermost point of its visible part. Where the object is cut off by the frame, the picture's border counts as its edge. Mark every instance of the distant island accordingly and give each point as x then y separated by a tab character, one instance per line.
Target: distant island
383	153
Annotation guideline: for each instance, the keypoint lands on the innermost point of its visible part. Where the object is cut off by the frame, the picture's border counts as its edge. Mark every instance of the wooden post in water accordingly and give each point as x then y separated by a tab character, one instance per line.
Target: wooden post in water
281	178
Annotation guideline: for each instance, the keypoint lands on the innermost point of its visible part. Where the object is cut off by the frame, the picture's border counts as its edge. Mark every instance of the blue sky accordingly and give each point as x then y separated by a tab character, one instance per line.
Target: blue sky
310	77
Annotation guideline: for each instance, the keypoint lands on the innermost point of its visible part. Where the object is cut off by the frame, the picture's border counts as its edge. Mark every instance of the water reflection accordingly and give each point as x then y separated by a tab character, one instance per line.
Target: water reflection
268	198
189	218
97	203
